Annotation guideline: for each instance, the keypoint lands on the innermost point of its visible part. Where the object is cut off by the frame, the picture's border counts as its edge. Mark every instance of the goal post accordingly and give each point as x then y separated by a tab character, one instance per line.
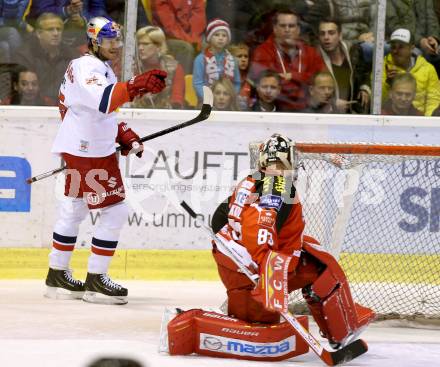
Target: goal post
376	207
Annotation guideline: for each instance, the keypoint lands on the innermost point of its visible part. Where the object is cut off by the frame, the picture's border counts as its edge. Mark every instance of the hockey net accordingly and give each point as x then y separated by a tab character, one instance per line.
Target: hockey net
377	209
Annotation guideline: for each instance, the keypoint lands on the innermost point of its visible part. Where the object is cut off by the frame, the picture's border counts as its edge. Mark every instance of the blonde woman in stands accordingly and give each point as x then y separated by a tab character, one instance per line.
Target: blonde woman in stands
225	96
152	53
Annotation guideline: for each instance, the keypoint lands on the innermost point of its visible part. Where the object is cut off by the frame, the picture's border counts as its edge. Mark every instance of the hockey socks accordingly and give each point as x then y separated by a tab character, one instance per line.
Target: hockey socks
62	249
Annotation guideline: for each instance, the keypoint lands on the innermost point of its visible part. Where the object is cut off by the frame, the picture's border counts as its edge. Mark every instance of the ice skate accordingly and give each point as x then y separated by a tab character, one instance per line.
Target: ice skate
61	285
99	288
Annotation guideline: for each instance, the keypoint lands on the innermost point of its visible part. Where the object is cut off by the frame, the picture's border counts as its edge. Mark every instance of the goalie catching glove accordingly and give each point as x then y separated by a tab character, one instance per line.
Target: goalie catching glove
126	138
152	81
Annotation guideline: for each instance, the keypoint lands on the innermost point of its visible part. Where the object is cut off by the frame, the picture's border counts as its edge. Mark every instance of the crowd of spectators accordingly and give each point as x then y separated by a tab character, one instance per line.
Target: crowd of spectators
284	55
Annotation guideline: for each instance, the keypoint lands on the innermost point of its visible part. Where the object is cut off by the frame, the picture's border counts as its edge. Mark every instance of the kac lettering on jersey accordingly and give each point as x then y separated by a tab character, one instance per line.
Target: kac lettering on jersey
15	193
242	196
271	201
235	211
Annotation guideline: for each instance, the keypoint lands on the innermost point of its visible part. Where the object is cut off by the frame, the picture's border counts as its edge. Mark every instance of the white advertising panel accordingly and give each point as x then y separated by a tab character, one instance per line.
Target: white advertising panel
198	164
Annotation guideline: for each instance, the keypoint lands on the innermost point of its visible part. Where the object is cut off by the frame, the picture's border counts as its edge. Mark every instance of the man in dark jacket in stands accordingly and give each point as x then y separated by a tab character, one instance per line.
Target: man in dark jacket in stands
46	54
268	89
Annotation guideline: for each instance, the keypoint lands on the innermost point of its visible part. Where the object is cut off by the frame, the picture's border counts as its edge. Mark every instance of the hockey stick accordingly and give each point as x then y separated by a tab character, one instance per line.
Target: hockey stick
203	115
331	358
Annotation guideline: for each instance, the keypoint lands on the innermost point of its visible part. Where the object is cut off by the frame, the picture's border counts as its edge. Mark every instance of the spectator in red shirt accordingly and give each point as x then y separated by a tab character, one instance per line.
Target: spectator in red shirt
153	54
183	22
26	90
295	61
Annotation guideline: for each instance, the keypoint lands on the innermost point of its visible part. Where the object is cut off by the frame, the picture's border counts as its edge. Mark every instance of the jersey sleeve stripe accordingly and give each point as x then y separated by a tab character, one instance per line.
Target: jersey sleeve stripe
104	104
114	96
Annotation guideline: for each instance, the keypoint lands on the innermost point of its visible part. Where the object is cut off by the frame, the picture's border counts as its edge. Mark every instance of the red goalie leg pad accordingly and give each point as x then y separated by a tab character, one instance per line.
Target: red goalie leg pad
182	333
217	335
330	301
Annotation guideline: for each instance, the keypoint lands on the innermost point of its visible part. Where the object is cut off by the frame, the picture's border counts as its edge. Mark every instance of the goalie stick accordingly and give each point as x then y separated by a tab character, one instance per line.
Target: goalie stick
331	358
203	115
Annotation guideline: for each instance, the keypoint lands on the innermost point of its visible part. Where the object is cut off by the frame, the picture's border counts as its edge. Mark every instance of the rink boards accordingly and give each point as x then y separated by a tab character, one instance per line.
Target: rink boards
199	164
199	265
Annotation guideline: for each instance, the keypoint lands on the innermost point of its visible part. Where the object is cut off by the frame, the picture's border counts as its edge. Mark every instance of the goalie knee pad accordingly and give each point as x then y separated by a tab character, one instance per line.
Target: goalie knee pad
217	335
331	304
242	305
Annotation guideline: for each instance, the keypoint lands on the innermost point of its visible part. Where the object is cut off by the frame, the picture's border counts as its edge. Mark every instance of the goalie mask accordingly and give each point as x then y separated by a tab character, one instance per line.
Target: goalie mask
277	148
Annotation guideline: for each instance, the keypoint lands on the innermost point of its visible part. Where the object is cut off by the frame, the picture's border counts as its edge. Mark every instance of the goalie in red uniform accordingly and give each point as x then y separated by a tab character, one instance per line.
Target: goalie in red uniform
264	217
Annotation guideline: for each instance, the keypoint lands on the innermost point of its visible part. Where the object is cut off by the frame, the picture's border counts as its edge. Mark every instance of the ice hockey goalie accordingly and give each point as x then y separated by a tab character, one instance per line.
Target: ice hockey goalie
261	221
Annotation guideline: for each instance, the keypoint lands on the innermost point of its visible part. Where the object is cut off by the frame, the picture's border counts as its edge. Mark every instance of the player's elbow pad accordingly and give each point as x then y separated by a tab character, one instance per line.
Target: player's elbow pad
114	96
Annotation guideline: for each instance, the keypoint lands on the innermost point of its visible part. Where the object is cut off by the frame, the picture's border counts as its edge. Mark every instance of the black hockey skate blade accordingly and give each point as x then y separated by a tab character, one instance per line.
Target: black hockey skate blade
349	352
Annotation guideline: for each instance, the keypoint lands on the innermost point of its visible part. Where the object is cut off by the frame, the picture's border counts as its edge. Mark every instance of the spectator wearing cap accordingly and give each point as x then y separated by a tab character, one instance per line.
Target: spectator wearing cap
215	61
418	16
183	23
401	97
238	13
402	59
294	60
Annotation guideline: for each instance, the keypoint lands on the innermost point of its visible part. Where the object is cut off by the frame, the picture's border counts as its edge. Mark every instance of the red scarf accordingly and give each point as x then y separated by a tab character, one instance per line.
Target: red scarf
212	70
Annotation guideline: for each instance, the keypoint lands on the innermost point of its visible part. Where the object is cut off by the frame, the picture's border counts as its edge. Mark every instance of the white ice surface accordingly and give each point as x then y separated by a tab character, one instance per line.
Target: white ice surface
36	331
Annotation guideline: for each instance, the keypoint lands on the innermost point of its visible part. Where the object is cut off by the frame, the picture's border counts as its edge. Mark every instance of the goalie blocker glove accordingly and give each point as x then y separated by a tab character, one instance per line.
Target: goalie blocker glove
152	81
126	137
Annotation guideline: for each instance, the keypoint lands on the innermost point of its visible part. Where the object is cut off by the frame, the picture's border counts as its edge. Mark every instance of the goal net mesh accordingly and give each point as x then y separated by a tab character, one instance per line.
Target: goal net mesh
379	214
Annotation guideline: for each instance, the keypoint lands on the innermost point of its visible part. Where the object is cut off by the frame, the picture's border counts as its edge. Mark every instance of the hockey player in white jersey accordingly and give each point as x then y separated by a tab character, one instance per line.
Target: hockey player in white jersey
88	98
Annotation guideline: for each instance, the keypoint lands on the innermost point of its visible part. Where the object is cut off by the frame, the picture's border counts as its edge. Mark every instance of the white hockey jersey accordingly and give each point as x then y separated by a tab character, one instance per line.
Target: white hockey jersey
85	131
